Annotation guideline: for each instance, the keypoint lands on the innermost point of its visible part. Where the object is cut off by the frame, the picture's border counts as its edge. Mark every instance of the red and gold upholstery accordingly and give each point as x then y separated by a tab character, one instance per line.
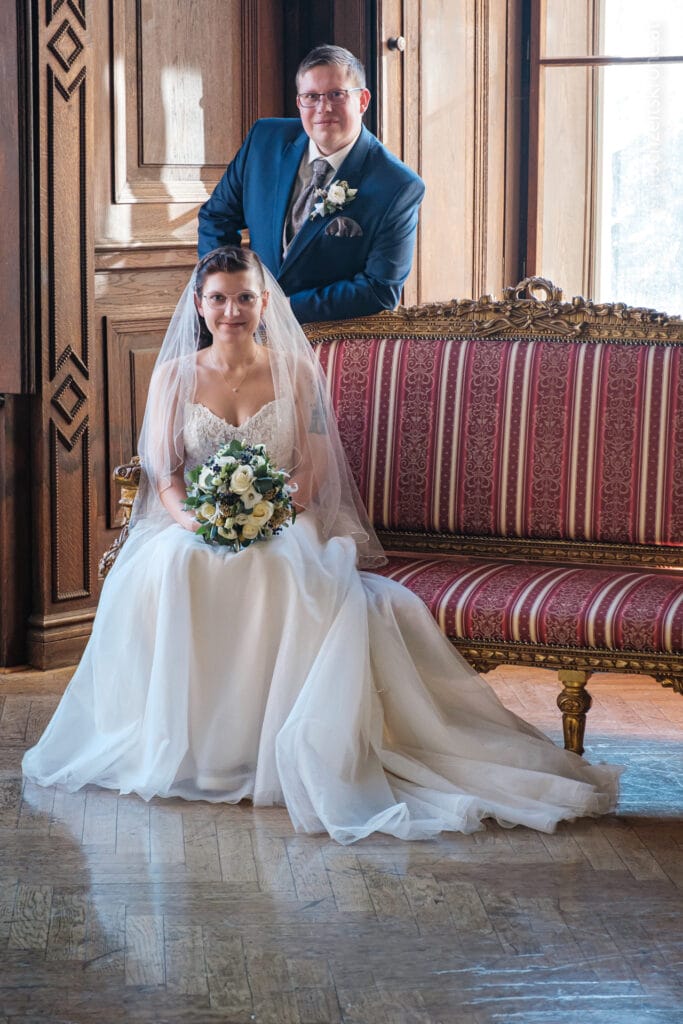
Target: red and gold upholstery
514	437
586	607
522	462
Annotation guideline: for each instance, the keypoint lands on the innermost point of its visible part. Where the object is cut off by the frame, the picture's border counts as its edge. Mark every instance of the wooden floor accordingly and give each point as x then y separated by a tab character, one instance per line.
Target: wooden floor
112	909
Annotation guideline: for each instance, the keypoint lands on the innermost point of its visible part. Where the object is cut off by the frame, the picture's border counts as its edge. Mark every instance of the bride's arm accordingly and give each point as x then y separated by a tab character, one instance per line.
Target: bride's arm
313	442
165	455
172	497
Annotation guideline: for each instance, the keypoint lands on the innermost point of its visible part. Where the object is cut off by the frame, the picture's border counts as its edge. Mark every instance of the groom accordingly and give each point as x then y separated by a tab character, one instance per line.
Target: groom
343	254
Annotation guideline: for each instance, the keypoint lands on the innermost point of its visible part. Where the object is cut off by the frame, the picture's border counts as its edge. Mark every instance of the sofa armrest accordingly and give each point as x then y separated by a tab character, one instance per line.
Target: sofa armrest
128	479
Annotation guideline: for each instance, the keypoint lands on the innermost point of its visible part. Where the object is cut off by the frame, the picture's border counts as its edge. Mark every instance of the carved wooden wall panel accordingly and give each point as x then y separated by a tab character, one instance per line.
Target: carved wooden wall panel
64	497
185	81
449	105
181	83
132	346
139	106
12	339
174	125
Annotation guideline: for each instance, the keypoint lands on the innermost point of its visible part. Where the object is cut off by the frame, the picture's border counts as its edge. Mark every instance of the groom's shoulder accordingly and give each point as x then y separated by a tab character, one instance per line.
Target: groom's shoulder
390	164
276	129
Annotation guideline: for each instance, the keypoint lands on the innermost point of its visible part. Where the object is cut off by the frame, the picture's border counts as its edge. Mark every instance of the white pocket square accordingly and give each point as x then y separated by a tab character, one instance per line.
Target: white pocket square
344	227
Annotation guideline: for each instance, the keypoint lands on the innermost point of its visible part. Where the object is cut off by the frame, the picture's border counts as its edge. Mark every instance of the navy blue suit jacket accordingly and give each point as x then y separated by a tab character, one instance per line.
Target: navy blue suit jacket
327	277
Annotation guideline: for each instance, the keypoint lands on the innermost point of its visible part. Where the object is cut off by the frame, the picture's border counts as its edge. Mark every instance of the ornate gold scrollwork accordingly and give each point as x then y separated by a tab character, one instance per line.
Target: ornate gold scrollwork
128	479
512	315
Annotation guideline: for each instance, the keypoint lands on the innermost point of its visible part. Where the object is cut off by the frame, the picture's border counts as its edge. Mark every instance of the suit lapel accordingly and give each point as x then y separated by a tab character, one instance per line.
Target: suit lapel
352	168
289	165
351	171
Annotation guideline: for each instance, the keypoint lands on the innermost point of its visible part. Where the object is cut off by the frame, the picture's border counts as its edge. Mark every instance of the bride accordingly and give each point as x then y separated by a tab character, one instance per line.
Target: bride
282	673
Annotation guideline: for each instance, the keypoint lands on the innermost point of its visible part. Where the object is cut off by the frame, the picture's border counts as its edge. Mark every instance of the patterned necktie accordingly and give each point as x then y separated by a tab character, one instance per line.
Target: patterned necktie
304	204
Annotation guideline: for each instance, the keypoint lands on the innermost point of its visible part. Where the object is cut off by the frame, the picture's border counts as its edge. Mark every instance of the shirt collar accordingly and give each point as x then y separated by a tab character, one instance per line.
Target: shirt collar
335	160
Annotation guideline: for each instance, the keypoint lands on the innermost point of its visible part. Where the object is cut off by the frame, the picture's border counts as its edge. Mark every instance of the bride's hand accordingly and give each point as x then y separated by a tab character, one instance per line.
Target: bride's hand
188	522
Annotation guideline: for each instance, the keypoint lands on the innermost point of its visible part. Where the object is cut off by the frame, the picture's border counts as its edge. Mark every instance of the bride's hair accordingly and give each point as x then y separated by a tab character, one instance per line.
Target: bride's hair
231	259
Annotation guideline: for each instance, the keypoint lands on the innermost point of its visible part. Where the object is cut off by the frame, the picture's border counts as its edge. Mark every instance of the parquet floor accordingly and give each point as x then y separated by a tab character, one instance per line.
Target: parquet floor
113	910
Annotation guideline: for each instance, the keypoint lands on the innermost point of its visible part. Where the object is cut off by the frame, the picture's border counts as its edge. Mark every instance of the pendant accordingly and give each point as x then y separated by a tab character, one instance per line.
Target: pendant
235	390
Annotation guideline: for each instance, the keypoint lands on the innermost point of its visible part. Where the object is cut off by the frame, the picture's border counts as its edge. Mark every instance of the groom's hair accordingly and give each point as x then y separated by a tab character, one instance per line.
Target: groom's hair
337	55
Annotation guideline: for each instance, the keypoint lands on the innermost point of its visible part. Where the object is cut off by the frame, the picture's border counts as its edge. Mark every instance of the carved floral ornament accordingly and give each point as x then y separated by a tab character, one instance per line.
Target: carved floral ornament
516	313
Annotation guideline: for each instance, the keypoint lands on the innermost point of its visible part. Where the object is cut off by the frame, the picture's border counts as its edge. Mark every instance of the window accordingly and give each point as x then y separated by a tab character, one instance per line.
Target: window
606	161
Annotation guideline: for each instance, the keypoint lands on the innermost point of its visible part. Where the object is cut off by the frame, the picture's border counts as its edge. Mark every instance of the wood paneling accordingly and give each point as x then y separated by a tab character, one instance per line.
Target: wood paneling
131	348
173	125
63	485
12	376
180	121
139	105
16	542
180	84
449	107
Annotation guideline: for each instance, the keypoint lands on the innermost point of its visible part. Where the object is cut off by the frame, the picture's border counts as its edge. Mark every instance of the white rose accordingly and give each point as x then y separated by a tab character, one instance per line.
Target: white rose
227	460
241	519
262	511
240	481
207	510
336	195
228	534
250	531
250	497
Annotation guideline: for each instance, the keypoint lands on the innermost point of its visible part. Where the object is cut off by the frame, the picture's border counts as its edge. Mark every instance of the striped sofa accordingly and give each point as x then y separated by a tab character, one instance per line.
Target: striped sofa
522	461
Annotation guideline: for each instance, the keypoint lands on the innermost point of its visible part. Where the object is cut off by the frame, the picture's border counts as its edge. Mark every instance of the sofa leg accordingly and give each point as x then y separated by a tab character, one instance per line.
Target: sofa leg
574	702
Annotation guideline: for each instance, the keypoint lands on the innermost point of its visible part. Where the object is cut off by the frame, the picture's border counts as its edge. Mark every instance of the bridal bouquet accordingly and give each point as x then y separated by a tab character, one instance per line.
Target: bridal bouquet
238	496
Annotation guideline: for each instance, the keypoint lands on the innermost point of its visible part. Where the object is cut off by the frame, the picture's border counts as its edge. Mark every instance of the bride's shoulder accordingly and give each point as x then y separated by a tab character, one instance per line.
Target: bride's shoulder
172	377
174	367
300	367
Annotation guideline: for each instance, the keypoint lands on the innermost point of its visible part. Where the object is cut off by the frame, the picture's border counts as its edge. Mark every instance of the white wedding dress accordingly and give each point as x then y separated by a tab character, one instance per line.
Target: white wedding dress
283	675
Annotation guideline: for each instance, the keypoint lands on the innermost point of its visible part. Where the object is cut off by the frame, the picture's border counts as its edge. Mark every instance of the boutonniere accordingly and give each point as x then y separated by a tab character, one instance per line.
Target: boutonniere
333	198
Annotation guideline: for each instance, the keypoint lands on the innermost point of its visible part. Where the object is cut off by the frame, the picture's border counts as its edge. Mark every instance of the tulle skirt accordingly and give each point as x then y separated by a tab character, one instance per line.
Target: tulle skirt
283	675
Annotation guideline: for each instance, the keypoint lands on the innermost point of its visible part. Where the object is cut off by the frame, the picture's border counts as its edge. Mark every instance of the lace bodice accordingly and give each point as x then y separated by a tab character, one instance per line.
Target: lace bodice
204	432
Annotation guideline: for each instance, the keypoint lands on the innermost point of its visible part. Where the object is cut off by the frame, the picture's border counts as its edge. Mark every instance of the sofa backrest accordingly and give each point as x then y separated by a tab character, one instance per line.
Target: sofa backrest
511	435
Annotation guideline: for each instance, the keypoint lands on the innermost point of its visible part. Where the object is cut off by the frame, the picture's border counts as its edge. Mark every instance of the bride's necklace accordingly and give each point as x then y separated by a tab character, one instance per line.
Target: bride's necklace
233	387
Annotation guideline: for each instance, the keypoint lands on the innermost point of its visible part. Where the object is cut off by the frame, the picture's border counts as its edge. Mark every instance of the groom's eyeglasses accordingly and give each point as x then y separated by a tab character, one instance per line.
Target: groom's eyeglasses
334	96
245	300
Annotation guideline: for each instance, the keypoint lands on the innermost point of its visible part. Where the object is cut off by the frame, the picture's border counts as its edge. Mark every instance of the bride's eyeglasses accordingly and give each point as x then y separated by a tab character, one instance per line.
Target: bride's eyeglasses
334	96
245	300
